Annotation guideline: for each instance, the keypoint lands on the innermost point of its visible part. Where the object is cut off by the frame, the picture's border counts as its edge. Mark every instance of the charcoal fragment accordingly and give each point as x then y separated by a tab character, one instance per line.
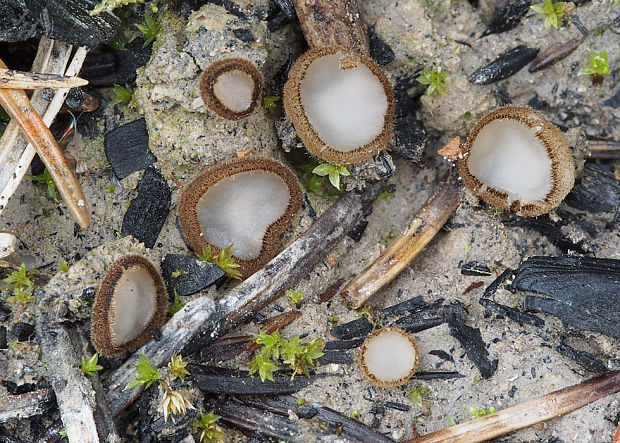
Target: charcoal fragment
343	344
380	51
397	406
21	332
337	356
284	13
598	190
15	389
442	355
507	64
127	148
613	101
358	230
245	35
148	211
196	274
471	341
219	381
437	375
581	291
512	313
356	328
410	135
585	359
508	17
474	268
3	341
129	60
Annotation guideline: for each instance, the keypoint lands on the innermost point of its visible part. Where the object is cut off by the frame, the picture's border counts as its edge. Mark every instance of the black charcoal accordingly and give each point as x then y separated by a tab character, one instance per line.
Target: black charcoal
585	359
437	375
581	291
21	332
356	233
512	313
194	274
130	59
474	268
380	51
507	64
245	35
337	356
442	355
508	17
598	190
148	211
127	148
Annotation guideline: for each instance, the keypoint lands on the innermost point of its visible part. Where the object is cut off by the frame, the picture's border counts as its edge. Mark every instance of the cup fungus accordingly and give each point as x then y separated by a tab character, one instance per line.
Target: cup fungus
131	303
231	87
246	203
388	357
516	159
341	105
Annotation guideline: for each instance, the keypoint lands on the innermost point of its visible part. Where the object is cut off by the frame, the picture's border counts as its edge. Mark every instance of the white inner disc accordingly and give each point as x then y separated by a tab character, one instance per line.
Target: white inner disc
234	90
389	356
507	155
239	209
133	304
346	107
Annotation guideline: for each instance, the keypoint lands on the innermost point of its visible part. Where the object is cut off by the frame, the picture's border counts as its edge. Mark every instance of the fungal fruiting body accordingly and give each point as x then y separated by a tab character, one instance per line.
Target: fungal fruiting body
388	357
341	105
516	159
245	203
131	303
231	87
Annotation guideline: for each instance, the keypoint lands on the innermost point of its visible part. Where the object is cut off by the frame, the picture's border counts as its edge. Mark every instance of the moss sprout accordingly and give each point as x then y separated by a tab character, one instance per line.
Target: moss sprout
598	64
553	12
435	80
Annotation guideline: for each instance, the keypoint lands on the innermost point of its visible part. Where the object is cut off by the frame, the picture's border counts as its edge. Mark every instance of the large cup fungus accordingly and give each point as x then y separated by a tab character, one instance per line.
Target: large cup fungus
245	203
231	87
341	105
516	159
130	304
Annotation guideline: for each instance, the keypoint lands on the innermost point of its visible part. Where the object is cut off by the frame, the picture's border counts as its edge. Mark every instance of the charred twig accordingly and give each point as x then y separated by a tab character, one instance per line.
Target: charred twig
332	23
405	248
192	329
528	413
26	405
213	380
604	149
18	106
11	79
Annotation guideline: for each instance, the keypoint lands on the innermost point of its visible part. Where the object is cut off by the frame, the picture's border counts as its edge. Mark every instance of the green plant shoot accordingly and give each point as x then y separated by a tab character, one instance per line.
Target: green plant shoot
146	374
552	11
334	172
90	367
434	79
121	94
294	296
598	64
264	366
224	260
151	28
269	103
209	430
46	178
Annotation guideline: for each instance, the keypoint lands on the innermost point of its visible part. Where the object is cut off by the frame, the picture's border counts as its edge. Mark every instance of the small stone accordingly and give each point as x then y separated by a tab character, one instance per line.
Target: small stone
22	332
356	233
195	274
127	148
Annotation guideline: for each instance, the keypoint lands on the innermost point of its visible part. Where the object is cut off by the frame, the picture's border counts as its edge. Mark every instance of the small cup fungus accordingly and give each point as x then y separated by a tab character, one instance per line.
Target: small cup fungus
131	303
231	87
388	357
516	159
341	105
245	203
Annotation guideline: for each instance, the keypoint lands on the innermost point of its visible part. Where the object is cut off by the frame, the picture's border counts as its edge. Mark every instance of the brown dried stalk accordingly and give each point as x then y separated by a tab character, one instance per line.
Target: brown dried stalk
11	79
604	149
16	104
408	245
528	413
327	23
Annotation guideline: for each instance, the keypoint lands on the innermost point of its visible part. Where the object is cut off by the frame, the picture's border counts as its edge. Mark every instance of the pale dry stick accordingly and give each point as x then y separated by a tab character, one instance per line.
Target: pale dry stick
603	149
328	23
12	79
528	413
425	225
26	405
67	182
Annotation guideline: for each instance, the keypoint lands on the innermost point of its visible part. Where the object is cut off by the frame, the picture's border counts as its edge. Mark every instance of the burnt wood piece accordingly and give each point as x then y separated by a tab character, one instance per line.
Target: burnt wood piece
410	134
552	230
337	423
512	313
337	356
222	381
508	17
26	405
127	148
437	375
130	59
100	69
380	51
196	275
471	341
147	212
476	269
65	20
585	359
597	190
581	291
505	65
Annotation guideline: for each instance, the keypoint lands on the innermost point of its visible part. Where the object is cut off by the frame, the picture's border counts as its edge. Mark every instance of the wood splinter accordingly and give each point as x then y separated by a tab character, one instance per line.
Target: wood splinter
425	225
15	102
528	413
12	79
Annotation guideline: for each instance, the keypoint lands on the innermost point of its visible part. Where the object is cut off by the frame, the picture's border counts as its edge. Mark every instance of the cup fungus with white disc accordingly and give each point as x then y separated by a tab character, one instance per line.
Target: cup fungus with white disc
246	203
231	87
341	105
388	357
130	304
516	159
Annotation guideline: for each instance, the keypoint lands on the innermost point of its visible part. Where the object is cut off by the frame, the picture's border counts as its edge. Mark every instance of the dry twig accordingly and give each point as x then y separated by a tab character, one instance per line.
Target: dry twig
11	79
26	405
408	245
